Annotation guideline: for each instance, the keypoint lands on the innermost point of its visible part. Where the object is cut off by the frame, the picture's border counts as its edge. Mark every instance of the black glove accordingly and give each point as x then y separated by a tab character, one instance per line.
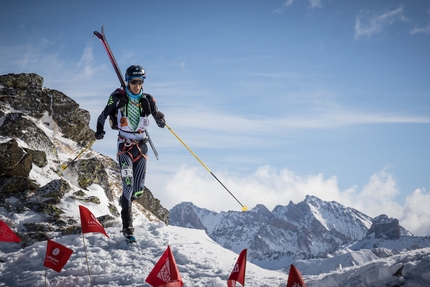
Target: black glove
159	119
99	135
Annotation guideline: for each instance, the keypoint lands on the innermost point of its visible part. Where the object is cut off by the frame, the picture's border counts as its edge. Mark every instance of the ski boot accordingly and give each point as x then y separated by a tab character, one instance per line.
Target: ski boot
128	234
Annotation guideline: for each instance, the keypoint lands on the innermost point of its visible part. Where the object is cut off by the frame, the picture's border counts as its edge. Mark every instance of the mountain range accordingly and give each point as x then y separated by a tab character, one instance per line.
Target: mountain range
311	229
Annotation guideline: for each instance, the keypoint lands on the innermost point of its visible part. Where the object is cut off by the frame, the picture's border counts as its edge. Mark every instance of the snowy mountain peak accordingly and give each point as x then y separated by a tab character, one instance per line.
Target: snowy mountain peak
311	228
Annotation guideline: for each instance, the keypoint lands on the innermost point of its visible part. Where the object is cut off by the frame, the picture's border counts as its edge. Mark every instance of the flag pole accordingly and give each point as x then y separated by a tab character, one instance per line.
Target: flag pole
88	265
244	269
45	276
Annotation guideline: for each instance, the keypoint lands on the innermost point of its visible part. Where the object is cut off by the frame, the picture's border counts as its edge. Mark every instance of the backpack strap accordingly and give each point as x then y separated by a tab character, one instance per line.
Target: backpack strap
144	103
122	101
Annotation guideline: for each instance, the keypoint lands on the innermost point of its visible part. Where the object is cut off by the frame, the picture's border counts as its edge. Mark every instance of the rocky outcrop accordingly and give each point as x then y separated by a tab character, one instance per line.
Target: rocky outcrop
24	93
149	202
384	228
26	111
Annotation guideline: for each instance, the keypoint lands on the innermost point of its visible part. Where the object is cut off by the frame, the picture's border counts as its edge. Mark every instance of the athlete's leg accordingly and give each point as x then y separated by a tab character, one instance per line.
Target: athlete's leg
126	167
139	171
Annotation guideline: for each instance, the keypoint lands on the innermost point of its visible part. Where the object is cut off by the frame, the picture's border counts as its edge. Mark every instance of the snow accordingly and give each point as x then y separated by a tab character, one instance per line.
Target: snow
201	261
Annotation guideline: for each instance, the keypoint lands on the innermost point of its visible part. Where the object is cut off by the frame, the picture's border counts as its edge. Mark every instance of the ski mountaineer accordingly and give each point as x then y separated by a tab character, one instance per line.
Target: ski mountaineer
128	111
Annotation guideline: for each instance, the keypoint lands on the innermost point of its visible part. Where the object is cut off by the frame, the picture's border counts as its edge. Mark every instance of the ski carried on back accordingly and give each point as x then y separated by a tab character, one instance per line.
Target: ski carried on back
102	38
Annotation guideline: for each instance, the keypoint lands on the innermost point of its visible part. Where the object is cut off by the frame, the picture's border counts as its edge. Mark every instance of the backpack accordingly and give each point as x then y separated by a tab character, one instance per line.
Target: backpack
122	101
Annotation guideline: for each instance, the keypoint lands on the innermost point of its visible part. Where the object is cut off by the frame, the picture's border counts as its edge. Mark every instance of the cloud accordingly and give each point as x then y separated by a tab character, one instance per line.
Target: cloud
312	4
315	3
416	212
421	30
282	9
271	187
368	24
323	117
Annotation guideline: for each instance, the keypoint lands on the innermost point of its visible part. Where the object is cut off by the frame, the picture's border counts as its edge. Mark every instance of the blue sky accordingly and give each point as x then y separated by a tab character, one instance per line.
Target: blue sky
278	98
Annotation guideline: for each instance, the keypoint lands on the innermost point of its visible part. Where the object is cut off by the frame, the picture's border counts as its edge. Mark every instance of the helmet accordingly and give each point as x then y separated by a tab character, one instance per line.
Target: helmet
135	71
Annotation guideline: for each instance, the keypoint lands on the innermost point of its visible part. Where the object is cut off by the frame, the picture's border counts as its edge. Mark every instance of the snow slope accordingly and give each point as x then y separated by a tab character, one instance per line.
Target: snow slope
112	262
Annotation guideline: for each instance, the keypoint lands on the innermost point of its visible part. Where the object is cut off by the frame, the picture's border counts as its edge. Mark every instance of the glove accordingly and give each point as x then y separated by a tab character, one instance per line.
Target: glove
161	123
99	135
159	119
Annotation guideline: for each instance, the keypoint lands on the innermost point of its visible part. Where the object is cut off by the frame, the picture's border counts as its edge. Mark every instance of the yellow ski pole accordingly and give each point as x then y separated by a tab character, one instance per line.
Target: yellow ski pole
64	166
244	208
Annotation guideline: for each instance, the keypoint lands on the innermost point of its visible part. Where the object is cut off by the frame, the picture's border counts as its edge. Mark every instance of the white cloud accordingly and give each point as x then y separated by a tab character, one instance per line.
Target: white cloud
368	24
312	4
421	30
416	212
315	3
281	9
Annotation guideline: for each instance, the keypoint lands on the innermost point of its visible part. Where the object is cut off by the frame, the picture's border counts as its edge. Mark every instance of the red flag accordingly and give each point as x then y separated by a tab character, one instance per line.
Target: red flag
165	273
238	273
6	234
56	256
89	222
295	278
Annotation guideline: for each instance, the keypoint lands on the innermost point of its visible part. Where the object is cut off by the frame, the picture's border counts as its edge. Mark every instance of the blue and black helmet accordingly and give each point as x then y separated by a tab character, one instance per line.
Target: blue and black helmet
135	71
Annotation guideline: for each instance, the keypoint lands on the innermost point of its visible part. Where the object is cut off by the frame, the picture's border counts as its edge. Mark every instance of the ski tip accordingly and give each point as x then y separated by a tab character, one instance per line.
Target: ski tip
98	34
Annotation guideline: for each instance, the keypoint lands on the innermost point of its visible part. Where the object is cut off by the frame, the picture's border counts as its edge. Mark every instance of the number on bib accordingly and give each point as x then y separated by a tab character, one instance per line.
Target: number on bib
126	172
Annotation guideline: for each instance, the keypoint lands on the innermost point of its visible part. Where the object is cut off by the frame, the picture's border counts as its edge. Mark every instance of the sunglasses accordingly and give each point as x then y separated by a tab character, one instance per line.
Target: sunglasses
136	82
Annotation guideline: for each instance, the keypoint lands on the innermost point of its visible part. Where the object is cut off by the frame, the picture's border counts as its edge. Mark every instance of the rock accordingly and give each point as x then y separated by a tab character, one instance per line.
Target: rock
91	171
24	92
73	121
18	126
37	157
148	201
18	187
384	228
54	189
15	160
22	81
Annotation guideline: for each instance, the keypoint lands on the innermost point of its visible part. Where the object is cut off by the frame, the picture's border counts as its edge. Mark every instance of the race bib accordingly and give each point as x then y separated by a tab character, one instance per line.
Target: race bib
126	172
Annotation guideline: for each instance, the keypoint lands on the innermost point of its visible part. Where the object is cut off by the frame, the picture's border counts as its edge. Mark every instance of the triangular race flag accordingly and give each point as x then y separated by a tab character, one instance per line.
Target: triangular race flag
165	273
295	278
89	222
238	273
56	256
6	234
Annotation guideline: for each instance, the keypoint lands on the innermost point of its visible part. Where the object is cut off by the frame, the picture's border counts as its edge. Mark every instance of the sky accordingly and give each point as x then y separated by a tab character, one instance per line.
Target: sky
279	99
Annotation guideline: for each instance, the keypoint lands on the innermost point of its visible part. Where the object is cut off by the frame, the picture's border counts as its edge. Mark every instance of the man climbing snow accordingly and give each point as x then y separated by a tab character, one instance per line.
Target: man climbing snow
128	111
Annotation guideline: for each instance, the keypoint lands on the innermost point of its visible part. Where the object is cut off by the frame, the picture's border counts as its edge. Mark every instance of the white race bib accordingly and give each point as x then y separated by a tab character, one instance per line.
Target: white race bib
127	172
